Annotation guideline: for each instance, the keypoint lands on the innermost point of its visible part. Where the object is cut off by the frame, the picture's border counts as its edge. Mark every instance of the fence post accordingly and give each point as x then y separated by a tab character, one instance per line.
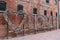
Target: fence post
35	21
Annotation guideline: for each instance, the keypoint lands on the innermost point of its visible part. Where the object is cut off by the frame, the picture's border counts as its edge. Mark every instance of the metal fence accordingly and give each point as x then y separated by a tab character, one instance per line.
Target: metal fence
36	23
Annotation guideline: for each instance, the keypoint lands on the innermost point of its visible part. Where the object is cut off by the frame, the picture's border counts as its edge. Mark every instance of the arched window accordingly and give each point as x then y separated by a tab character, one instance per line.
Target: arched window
20	7
2	6
35	10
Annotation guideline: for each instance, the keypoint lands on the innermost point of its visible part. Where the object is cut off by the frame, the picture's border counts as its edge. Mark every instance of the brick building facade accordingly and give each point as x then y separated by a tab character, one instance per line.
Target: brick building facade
28	6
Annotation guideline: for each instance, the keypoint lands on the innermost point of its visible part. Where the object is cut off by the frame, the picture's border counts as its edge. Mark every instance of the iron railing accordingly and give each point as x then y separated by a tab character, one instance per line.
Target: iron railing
35	23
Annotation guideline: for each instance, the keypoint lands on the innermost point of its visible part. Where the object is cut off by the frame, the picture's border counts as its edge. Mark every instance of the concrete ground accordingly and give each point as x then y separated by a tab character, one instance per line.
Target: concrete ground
51	35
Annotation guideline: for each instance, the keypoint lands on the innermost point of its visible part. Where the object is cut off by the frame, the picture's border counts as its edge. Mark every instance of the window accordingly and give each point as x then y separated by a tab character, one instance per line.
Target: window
56	14
51	13
35	10
2	6
20	7
47	1
45	12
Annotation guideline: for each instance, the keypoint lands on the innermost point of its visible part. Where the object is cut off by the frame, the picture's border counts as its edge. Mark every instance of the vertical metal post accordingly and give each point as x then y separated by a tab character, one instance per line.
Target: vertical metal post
23	27
51	22
7	26
51	17
44	22
7	29
35	21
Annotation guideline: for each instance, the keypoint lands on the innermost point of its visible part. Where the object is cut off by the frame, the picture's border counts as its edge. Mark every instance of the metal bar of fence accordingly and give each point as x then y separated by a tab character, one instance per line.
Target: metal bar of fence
35	22
7	26
7	30
51	21
23	27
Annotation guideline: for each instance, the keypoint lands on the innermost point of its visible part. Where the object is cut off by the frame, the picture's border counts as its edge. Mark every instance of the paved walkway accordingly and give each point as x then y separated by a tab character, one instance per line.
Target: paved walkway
51	35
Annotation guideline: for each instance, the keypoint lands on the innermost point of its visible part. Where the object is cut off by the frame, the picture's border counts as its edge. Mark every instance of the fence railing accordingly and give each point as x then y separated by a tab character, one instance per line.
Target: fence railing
35	23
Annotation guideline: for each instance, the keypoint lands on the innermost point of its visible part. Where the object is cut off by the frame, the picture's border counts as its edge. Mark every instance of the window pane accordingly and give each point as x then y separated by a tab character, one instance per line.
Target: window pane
56	14
47	1
35	10
20	7
2	6
51	13
45	12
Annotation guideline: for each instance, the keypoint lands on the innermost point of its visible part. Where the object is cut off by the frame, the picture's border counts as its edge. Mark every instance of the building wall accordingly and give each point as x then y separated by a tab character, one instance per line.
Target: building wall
28	8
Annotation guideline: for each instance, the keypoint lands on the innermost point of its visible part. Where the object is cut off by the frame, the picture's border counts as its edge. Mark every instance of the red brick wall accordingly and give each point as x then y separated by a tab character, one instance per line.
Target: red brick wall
28	8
